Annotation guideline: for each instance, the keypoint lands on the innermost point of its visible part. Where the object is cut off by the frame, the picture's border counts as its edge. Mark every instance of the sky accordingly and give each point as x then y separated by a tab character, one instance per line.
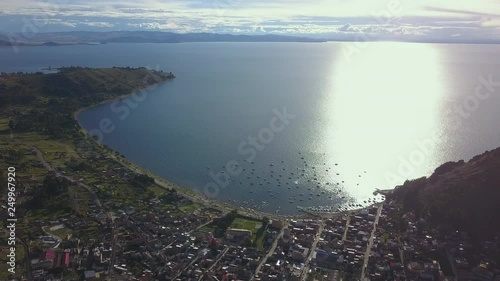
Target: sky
413	20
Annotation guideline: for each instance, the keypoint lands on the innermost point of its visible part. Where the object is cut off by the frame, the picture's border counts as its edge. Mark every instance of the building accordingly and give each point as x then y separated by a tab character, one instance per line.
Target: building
237	235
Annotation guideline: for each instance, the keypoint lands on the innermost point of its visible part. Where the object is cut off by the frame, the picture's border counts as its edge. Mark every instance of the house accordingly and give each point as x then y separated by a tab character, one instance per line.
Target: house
237	235
300	253
89	275
276	224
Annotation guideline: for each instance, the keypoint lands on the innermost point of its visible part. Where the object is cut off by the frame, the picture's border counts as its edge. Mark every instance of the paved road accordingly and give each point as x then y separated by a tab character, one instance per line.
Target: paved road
305	271
370	242
215	263
451	260
112	258
42	159
269	253
59	239
348	221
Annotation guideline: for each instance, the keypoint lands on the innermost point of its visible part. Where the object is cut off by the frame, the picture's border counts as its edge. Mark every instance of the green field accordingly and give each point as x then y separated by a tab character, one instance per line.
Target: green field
62	232
45	214
254	226
201	232
4	124
157	190
244	223
190	208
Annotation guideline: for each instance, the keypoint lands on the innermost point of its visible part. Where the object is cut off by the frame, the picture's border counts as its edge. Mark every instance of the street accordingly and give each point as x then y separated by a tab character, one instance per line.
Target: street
305	271
370	243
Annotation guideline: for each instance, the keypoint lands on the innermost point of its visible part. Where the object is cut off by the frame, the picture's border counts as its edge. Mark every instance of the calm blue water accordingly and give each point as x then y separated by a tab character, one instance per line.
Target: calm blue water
372	119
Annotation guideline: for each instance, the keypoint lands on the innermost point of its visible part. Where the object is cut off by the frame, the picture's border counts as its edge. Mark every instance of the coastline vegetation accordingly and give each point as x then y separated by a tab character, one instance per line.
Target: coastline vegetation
459	195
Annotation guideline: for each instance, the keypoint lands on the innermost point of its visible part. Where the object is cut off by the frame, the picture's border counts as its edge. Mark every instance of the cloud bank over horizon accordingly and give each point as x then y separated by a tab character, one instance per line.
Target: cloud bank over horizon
424	20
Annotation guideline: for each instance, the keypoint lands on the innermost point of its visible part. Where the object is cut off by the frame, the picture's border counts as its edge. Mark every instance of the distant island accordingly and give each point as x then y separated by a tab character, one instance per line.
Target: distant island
92	38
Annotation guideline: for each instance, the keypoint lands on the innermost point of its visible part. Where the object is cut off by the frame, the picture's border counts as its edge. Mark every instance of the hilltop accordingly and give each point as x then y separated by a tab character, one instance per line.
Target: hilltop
458	195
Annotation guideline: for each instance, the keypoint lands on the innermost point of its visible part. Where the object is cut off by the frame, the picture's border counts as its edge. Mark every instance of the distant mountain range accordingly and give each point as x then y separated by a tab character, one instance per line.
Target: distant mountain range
462	195
89	37
94	37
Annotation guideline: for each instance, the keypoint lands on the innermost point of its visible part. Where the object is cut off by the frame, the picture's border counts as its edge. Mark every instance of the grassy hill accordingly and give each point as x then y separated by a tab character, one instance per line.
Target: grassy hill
460	195
87	85
45	102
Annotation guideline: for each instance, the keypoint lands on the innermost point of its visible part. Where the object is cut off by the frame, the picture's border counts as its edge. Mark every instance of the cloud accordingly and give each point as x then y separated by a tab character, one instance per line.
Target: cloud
490	22
99	24
459	11
378	18
165	26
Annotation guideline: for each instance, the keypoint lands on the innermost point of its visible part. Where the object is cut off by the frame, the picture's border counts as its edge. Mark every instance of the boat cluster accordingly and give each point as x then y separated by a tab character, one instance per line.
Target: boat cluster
304	181
341	208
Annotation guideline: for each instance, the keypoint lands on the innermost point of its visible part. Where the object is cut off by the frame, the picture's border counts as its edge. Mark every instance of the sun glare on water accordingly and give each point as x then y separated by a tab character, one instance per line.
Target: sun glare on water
382	100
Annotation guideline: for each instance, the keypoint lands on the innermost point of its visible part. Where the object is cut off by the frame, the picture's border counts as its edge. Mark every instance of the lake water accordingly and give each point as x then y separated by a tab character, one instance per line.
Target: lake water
364	116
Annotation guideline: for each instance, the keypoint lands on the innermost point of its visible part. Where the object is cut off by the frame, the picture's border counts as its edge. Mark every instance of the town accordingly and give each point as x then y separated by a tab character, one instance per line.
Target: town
167	235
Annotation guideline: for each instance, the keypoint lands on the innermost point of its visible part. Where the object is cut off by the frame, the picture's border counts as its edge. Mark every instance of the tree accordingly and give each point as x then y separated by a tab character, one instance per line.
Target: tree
3	179
12	124
54	186
248	242
265	221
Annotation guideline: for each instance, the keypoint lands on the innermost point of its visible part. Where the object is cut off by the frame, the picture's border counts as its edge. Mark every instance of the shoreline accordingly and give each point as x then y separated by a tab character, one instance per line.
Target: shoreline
78	111
183	190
